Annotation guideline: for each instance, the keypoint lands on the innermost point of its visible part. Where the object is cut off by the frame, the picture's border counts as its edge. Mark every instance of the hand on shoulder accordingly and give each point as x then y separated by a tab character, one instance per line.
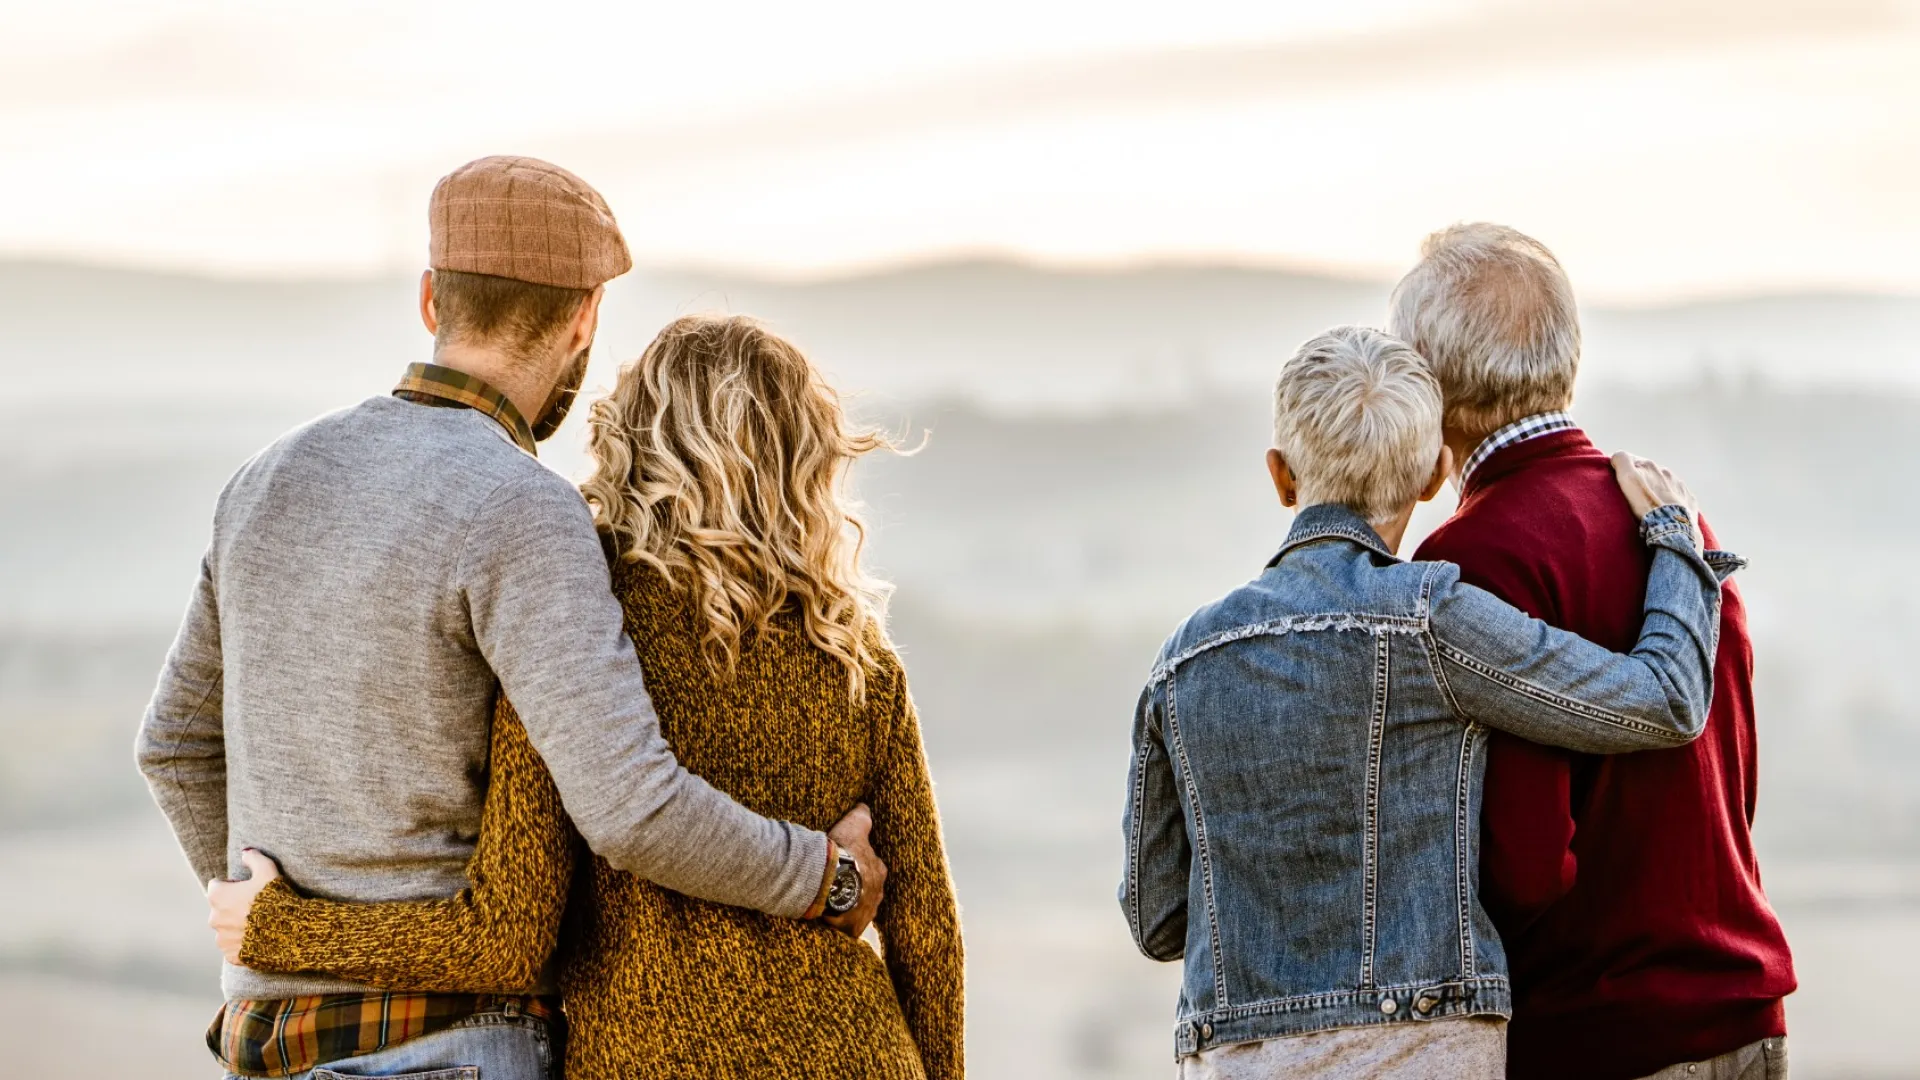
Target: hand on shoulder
1649	486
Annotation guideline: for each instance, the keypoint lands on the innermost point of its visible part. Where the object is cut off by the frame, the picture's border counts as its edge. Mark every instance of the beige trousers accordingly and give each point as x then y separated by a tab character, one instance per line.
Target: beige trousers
1468	1048
1764	1060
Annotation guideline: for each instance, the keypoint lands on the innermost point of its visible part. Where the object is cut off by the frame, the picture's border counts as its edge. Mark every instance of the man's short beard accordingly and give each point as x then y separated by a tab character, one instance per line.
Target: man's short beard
560	402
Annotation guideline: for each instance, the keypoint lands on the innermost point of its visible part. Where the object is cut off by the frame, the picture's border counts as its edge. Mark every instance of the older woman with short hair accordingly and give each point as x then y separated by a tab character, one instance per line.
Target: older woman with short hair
1302	813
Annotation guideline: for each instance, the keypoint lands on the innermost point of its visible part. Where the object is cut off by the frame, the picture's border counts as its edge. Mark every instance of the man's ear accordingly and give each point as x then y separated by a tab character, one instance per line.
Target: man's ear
427	315
1442	468
586	321
1283	483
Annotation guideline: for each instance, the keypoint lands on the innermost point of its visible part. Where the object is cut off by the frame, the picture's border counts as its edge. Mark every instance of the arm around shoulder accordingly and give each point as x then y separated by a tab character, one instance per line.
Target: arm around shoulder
1501	668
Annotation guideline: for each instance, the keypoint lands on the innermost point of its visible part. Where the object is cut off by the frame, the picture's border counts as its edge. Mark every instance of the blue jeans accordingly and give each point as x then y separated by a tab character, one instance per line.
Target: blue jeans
486	1046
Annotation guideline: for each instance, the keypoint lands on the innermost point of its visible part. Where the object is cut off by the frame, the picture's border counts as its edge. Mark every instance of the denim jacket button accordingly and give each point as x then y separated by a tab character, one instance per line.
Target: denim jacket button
1389	1006
1424	1005
1206	1030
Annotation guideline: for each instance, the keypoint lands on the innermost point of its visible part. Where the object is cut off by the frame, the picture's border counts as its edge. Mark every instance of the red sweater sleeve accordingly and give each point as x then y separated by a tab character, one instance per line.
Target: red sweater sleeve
1526	820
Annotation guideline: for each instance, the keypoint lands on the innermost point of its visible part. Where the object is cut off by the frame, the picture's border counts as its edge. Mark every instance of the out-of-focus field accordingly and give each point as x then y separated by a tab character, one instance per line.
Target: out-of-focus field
1043	544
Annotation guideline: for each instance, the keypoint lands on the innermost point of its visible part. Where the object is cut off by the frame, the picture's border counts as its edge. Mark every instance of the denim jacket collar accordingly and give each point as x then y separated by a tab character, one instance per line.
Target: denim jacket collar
1325	521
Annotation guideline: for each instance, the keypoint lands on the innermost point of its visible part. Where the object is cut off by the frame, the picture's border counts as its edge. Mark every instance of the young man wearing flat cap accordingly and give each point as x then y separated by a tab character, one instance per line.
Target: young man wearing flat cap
376	579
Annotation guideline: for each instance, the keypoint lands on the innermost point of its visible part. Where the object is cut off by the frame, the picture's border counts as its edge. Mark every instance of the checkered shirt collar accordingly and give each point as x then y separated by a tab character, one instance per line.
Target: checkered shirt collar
1529	427
431	384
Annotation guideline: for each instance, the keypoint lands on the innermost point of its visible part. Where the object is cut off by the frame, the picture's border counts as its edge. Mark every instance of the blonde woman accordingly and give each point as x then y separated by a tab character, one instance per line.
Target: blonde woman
720	459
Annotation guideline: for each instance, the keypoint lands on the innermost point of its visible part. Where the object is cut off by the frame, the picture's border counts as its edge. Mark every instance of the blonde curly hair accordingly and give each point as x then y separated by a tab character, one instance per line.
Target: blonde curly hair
720	460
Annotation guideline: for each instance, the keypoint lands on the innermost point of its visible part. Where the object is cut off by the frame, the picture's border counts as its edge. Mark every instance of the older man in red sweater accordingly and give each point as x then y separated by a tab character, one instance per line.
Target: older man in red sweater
1625	888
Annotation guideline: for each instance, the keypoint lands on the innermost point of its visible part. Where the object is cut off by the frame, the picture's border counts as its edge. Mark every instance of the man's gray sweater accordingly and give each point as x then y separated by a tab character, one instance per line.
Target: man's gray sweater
375	579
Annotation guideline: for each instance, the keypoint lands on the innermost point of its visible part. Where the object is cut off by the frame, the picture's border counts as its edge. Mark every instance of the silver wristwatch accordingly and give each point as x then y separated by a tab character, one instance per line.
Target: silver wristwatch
843	895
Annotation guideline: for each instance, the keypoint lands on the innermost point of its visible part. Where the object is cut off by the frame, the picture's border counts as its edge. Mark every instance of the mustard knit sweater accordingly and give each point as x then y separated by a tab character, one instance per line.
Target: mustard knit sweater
658	985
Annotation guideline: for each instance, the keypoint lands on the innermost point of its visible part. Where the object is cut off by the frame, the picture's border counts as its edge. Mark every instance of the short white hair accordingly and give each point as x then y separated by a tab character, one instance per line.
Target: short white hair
1356	413
1493	313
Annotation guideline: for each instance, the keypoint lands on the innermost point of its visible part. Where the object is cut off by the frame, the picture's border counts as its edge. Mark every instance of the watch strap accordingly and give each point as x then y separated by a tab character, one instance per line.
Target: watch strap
819	907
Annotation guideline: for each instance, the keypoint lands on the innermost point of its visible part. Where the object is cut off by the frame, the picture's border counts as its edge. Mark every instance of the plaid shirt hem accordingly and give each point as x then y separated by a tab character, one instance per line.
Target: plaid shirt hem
431	384
1528	427
293	1035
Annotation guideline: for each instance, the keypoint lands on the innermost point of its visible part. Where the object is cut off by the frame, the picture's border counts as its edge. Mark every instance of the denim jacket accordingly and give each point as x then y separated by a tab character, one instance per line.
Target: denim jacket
1303	809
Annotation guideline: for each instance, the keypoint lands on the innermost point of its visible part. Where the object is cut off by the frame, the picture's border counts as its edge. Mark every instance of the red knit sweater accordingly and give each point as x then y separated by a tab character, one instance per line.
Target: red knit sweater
1625	888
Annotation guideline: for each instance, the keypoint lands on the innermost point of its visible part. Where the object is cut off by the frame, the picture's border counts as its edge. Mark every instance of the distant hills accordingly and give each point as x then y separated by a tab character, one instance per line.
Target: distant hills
1001	334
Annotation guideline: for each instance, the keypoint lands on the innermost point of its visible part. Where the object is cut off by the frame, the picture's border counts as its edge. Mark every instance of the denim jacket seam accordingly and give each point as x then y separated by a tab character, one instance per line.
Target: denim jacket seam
1470	732
1376	747
1330	532
1462	844
1714	559
1201	851
1338	997
1432	643
1135	918
1667	514
1657	533
1425	609
1341	621
1716	604
1590	711
1134	821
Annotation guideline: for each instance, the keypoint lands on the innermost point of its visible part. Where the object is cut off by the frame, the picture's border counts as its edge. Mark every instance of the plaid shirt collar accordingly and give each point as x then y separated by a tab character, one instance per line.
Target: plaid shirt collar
1528	427
431	384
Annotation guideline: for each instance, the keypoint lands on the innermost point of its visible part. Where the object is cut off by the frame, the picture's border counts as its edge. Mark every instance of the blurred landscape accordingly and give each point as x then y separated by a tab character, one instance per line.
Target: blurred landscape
1091	472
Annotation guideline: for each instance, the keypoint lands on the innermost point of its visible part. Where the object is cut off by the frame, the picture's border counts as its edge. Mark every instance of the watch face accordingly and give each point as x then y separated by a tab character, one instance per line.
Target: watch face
844	893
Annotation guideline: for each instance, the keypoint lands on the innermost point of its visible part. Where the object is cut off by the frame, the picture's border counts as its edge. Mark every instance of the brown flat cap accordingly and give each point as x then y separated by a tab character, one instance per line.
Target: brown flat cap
521	218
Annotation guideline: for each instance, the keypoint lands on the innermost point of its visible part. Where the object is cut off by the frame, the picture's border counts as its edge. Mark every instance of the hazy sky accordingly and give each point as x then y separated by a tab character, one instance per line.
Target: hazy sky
1663	147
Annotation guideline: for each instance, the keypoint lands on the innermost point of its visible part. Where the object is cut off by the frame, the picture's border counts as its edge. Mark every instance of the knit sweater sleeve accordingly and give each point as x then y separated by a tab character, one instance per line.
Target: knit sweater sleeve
496	935
919	921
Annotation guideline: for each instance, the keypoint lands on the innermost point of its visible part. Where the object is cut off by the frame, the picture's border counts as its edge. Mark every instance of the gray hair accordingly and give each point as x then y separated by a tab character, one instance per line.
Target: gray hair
1493	313
1356	413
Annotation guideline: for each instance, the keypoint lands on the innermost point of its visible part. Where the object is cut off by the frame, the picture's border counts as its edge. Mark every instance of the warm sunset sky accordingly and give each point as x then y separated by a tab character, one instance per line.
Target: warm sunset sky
1665	148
